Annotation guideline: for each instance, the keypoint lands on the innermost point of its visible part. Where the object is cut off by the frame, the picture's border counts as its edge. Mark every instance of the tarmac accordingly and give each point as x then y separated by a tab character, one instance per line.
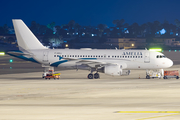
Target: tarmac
24	95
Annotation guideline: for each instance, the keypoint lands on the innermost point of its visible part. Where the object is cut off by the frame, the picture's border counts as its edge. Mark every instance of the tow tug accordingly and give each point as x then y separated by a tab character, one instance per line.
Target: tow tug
50	74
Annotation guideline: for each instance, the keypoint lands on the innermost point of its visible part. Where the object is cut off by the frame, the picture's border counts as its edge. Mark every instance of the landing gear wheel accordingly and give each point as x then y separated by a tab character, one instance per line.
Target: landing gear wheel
147	77
177	77
90	76
165	77
96	75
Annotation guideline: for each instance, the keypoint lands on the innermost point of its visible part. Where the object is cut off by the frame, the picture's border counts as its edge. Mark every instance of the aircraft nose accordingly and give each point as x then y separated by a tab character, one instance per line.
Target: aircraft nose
170	63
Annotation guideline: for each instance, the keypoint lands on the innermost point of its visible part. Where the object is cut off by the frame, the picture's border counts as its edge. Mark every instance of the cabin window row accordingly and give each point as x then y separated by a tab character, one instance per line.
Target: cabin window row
97	56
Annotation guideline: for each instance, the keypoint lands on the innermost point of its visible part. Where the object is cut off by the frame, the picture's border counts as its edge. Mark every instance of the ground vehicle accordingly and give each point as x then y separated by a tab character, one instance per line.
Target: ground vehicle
154	73
171	74
51	75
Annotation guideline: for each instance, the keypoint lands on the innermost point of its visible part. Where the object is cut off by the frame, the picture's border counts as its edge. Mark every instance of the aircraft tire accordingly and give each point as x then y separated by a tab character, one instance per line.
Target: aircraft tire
177	77
96	75
90	76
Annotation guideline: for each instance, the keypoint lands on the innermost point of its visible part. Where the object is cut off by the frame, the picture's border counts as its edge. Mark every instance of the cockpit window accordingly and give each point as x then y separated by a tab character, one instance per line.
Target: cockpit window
160	56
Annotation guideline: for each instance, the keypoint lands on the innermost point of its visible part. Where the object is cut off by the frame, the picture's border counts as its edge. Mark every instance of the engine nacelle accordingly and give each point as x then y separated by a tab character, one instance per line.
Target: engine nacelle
115	70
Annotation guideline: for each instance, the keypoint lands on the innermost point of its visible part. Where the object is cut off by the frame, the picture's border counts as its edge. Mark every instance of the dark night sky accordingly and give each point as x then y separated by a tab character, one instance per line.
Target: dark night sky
88	12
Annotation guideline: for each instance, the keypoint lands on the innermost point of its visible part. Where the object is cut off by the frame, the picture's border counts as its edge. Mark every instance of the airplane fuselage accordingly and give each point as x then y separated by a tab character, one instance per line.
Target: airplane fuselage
134	59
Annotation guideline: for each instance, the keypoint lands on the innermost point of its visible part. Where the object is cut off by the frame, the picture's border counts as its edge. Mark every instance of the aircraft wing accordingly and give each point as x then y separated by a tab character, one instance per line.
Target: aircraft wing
97	62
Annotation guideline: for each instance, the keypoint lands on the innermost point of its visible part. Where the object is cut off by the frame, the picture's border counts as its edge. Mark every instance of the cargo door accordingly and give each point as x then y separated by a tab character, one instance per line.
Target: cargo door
147	57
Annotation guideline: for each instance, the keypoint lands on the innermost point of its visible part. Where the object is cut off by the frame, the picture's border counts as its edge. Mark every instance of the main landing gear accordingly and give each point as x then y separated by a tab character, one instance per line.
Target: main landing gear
95	76
91	75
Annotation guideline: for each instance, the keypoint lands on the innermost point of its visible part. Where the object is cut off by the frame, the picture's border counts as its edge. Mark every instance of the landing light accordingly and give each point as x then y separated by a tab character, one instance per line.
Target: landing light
155	49
2	53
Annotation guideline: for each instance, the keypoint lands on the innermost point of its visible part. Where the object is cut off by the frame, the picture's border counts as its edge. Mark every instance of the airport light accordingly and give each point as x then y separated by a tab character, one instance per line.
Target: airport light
132	45
2	53
155	49
11	60
66	45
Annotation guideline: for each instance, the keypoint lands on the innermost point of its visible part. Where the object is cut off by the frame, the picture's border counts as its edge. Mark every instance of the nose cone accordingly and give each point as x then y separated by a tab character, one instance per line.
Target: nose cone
169	63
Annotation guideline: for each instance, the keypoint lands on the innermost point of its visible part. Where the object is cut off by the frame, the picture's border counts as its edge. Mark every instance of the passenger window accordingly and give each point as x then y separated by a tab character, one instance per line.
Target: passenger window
54	55
108	56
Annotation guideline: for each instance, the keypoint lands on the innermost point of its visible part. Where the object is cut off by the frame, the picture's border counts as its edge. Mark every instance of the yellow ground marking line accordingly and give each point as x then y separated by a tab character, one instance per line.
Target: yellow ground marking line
148	112
178	113
157	117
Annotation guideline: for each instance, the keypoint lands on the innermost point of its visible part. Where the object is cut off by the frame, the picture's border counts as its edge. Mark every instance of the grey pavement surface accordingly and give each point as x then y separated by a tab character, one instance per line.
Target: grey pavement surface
24	95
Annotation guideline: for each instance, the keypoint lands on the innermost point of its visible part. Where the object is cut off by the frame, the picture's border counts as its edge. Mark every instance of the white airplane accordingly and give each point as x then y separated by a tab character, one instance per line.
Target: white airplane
111	62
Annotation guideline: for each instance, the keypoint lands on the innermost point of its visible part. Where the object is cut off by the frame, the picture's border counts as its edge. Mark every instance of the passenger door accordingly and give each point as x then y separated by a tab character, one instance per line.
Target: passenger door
45	56
147	57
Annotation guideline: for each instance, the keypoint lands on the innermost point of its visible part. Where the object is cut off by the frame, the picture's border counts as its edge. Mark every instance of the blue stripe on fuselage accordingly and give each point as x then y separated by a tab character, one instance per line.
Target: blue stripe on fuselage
58	63
24	58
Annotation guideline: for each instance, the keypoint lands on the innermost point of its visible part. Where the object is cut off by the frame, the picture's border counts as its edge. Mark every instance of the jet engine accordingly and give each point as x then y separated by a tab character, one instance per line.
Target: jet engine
114	70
